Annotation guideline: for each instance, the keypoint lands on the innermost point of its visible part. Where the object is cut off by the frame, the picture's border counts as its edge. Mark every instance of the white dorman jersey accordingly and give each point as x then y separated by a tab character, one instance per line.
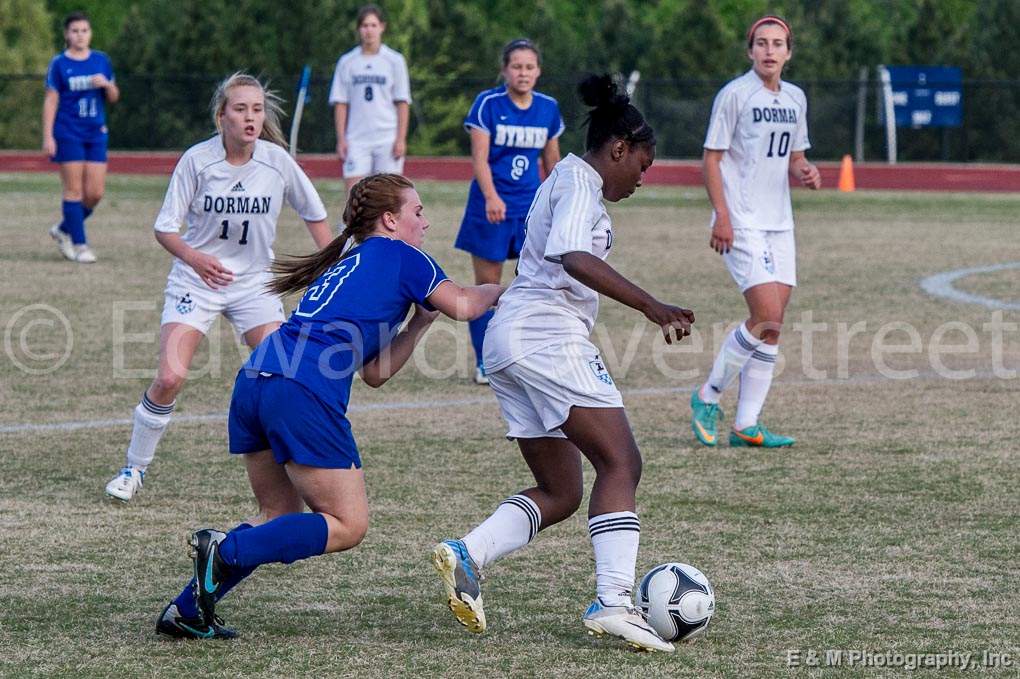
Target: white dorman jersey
758	129
231	211
371	85
545	305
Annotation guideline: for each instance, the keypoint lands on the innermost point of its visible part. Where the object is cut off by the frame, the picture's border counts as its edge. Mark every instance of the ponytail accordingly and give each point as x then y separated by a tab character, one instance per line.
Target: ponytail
612	115
368	201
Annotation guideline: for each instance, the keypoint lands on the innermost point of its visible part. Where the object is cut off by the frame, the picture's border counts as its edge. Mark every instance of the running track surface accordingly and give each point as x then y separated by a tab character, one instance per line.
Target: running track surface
905	176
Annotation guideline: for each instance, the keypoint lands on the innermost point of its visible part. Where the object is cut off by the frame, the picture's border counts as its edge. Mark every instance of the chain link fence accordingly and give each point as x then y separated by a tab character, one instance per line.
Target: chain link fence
171	112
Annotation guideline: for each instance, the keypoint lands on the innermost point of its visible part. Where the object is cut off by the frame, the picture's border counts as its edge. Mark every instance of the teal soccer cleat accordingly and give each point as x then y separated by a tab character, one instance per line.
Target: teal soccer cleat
704	420
759	437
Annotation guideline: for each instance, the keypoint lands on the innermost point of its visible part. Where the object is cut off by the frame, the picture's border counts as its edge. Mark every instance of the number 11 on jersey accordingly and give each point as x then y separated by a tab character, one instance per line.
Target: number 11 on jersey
226	228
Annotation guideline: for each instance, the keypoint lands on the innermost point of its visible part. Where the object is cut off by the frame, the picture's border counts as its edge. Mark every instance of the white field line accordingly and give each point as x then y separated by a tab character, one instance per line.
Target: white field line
941	285
867	379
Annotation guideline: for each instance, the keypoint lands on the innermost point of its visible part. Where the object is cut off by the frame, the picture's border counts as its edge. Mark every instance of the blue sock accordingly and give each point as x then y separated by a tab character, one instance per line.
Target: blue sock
74	221
285	539
86	212
477	328
186	599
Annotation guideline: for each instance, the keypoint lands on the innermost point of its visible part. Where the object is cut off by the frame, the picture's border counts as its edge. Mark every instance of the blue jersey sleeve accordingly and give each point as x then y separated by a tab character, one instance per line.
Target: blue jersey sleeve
476	117
556	125
53	79
108	68
420	275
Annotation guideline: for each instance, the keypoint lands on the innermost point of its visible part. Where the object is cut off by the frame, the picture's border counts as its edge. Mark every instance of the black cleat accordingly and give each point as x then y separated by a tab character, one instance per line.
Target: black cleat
172	624
210	570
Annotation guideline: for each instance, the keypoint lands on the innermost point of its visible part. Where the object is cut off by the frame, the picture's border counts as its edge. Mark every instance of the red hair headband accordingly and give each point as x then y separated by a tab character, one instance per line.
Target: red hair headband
770	19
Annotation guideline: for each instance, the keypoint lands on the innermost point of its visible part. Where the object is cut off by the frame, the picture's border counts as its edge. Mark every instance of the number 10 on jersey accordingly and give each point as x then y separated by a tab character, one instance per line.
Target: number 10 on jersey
225	233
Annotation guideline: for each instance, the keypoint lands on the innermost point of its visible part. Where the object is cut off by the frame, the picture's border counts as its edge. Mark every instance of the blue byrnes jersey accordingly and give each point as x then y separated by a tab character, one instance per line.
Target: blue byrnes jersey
516	139
347	316
81	112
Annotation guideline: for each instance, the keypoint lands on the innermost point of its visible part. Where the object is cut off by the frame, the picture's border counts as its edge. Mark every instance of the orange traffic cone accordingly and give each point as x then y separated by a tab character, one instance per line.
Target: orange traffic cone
846	175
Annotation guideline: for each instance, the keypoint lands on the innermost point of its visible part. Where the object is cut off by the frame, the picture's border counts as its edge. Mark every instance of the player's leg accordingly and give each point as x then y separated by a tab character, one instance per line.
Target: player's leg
745	264
767	304
604	437
486	271
94	187
69	234
177	345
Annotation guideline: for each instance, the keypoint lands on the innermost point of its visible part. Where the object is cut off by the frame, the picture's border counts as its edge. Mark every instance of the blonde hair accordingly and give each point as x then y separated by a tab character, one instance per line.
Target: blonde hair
271	130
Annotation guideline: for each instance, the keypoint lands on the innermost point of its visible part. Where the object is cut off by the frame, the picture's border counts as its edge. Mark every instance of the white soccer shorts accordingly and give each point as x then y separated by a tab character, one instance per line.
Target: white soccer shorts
537	392
245	303
365	159
759	257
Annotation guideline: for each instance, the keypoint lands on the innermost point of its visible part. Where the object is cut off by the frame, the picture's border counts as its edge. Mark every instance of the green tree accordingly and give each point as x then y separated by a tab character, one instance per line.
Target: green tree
24	53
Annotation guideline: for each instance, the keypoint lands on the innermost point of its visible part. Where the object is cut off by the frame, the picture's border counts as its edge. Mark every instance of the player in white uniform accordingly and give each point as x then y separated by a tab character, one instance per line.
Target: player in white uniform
228	190
371	97
756	140
554	391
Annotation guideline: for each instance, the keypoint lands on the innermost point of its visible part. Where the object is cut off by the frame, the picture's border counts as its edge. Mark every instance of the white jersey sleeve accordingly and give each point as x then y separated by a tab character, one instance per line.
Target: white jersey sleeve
179	194
800	135
573	205
339	90
401	79
298	191
724	119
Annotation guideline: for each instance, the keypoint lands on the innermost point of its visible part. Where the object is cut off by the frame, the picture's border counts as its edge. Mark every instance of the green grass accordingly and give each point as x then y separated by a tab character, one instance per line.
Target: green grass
891	526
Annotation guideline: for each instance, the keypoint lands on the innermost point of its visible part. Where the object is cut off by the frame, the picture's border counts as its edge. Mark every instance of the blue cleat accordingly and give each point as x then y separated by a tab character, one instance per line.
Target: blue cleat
461	578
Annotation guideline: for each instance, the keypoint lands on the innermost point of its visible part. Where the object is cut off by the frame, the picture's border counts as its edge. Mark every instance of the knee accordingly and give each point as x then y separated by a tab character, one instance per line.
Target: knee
92	198
768	327
166	386
627	468
352	531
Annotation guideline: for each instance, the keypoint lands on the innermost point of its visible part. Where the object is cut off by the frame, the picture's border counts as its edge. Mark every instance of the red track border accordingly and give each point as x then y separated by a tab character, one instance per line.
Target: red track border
905	176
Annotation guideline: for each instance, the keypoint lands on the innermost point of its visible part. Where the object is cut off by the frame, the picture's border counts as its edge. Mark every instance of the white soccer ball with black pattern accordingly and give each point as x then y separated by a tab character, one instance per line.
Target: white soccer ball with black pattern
678	600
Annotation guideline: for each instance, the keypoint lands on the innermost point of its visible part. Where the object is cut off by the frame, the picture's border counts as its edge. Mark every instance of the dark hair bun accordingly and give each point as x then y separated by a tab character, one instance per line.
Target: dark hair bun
599	91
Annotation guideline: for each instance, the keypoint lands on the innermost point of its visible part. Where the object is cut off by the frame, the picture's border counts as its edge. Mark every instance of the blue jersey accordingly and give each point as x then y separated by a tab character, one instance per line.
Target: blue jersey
81	112
347	316
516	139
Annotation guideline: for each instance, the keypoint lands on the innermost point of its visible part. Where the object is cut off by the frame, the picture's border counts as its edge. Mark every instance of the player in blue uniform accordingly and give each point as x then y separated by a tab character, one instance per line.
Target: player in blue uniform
288	410
512	128
79	82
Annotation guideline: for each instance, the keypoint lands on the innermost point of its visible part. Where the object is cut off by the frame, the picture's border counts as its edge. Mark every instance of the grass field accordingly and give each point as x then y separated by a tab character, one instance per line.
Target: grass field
891	526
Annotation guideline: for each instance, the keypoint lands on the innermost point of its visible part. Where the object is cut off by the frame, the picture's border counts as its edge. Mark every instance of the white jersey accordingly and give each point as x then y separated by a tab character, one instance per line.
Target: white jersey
758	129
545	305
371	85
231	211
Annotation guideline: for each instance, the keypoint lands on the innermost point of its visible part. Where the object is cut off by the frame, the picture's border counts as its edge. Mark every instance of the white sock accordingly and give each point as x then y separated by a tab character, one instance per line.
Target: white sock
615	537
755	380
736	349
150	421
513	525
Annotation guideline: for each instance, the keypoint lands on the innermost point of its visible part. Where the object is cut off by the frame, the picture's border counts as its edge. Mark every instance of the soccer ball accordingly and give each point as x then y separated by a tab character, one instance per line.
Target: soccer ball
678	601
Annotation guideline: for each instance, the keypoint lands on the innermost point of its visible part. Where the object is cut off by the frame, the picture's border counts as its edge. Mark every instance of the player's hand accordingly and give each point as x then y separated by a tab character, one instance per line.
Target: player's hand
341	149
210	270
810	176
399	149
722	234
670	318
100	81
49	146
495	210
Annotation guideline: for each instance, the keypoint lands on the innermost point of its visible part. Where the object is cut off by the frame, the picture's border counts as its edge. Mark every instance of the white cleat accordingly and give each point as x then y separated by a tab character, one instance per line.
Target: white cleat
480	376
83	254
625	622
125	484
63	242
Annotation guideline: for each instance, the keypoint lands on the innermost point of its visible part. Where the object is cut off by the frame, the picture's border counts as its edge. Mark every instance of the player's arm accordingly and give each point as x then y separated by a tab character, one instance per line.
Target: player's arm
110	89
722	231
403	118
49	114
805	171
550	156
465	303
495	208
321	232
605	280
390	360
340	122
